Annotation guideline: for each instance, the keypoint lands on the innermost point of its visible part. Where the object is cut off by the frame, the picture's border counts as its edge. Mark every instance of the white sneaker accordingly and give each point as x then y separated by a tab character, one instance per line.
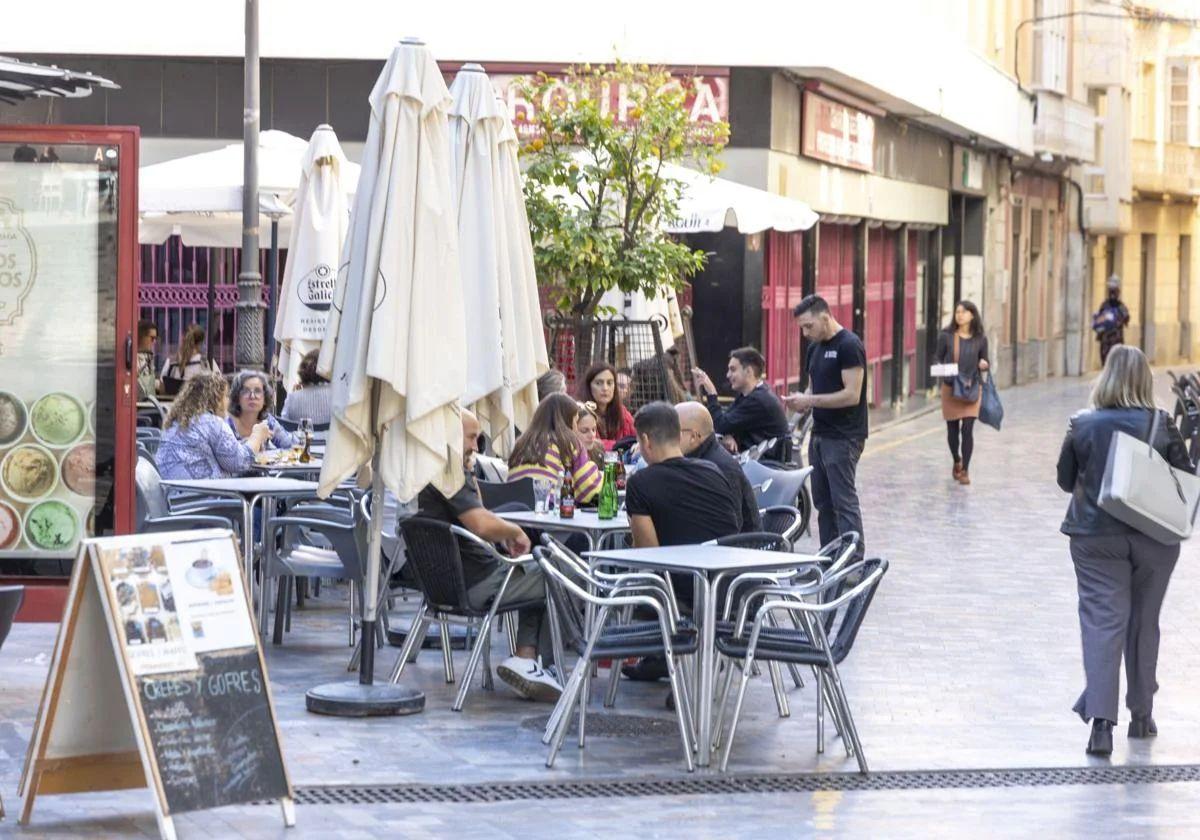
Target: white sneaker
528	679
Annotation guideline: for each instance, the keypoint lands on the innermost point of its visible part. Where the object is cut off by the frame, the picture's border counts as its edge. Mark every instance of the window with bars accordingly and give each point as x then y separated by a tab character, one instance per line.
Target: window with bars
1177	99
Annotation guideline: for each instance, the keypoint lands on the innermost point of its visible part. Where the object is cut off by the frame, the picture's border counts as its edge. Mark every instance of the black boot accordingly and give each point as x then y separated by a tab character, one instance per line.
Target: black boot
1142	726
648	669
1101	741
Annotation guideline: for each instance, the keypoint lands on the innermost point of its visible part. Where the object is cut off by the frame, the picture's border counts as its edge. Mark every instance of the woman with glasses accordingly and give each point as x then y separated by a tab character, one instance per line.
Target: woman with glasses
197	443
250	403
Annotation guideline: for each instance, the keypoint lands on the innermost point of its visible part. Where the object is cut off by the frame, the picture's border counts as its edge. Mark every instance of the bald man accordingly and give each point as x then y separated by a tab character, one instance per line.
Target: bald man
698	440
484	575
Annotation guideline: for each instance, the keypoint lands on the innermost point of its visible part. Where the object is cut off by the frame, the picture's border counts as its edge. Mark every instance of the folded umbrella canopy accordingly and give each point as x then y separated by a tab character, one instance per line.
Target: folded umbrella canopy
25	80
477	120
394	345
319	223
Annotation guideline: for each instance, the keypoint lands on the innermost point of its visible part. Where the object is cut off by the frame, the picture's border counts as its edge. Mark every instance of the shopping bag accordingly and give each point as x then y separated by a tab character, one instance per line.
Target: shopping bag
1141	489
991	411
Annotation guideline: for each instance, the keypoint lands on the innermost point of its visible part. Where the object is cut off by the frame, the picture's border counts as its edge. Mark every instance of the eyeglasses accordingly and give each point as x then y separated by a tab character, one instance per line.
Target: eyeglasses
253	392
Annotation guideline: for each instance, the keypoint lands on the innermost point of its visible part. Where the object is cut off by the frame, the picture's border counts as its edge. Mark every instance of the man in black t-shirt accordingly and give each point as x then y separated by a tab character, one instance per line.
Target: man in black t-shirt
484	575
756	413
675	500
837	395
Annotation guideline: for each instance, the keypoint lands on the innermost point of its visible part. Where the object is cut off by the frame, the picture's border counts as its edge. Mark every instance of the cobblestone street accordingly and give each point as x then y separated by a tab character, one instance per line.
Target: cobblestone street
969	659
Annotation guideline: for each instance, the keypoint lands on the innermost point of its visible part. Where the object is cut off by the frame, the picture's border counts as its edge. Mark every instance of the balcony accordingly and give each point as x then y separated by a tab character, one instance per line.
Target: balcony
1064	127
1167	168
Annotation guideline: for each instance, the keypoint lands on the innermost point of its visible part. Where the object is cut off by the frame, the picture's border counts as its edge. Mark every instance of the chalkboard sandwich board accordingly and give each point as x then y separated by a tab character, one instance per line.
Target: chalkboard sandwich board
158	680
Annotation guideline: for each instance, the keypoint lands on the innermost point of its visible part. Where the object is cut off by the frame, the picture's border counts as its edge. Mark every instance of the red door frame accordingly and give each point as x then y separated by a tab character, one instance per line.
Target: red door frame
44	599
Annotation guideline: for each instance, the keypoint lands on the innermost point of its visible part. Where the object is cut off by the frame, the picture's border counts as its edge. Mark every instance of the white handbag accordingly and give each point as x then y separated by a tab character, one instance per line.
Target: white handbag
1141	489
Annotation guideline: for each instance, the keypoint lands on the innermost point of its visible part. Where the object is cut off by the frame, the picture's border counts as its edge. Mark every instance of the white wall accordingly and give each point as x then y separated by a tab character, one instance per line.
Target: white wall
903	49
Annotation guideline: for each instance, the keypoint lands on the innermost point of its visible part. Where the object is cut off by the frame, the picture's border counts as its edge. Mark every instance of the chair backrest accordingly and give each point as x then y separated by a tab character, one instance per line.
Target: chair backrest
758	540
774	487
490	468
151	495
567	607
851	614
781	519
494	494
435	561
10	601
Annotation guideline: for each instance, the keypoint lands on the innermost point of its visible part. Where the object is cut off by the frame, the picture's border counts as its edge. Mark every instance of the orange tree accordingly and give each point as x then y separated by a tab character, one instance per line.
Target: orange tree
596	191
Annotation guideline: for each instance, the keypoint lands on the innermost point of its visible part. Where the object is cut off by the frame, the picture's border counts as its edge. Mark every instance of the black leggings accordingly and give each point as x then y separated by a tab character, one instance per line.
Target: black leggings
968	438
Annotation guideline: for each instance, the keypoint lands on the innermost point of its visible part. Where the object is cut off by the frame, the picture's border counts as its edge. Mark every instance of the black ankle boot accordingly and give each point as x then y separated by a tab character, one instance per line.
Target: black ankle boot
1142	726
1101	741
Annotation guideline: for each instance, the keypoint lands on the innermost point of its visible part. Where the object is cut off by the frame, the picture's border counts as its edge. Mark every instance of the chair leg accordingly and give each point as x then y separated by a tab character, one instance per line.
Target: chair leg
511	626
447	654
682	711
737	710
281	593
614	678
847	719
781	701
488	683
820	713
287	604
473	661
412	642
719	723
574	685
584	698
353	626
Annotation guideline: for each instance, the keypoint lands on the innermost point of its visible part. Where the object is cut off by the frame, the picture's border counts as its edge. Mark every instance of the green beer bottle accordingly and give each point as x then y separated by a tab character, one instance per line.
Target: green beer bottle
608	491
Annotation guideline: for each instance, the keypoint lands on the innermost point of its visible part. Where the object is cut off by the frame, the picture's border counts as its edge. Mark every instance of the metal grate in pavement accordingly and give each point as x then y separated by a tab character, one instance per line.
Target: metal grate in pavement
735	784
613	725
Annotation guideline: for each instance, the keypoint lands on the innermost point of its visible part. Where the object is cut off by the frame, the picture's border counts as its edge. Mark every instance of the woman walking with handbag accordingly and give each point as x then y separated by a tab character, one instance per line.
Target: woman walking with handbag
1122	574
964	343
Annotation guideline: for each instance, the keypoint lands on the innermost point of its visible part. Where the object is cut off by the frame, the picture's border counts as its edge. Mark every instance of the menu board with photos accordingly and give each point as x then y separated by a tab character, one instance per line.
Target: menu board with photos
158	642
52	215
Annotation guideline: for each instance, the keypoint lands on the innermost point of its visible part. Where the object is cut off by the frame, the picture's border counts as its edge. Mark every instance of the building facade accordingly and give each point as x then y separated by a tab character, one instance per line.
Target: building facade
950	148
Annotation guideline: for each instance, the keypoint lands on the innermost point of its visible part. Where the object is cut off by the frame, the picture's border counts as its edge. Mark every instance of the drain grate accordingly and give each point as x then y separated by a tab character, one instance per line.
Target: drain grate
613	725
734	784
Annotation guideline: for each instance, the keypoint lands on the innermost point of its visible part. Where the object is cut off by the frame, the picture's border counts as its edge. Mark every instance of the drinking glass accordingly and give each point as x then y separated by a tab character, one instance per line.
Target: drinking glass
541	494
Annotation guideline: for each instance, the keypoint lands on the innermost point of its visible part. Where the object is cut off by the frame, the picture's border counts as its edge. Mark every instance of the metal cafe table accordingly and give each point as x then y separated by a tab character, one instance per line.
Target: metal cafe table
586	522
250	490
709	565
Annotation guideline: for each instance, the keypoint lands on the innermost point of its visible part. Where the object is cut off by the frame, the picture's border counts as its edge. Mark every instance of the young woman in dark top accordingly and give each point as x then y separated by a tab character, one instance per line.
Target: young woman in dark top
600	386
962	342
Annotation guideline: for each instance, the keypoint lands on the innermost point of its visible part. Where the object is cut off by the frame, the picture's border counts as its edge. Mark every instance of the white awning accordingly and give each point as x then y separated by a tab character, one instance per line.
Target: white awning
709	204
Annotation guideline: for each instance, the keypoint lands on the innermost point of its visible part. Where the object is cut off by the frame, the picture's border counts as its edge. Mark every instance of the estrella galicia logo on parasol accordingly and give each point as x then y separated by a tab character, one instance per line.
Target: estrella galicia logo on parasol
18	262
316	288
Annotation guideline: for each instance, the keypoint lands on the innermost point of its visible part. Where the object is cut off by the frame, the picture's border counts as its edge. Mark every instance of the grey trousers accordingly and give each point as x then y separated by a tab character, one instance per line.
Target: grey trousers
834	462
533	626
1122	582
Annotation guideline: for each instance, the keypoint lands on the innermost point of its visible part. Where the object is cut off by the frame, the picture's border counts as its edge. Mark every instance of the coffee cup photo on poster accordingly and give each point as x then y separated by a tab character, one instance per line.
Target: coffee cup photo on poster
208	594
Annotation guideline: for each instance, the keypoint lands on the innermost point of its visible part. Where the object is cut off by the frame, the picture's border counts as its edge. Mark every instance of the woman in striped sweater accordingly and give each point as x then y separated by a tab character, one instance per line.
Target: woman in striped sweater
550	443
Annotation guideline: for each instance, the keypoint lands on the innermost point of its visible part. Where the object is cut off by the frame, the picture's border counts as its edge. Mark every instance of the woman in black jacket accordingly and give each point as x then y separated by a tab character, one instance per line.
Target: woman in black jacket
1122	574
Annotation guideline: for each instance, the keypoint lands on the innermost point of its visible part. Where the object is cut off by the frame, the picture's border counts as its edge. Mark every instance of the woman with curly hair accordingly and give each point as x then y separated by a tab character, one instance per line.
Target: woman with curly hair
600	386
196	441
250	403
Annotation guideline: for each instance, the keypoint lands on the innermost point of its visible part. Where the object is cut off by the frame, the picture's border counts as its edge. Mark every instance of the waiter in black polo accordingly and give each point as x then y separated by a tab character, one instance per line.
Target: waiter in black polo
756	413
837	395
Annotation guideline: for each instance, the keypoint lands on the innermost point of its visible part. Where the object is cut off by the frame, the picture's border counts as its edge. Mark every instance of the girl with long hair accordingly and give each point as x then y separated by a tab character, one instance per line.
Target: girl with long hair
613	418
551	445
964	343
197	443
188	361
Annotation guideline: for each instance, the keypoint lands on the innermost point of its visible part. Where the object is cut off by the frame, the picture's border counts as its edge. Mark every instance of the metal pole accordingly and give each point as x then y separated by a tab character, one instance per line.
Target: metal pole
272	293
249	353
370	587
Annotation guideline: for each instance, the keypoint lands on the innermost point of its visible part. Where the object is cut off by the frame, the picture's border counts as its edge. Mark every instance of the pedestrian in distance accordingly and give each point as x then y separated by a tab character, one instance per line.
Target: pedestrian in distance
837	395
1111	319
1122	574
963	343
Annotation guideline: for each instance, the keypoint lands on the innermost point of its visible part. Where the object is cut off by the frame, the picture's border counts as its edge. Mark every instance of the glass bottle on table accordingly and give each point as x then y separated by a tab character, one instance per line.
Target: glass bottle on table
566	500
306	426
607	507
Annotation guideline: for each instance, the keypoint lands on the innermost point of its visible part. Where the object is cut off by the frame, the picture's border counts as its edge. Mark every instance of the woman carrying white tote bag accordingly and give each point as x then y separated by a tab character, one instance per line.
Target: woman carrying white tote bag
1122	573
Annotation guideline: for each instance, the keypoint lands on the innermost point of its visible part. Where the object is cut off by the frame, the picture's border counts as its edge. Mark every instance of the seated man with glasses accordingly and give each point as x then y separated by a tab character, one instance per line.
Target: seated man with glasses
148	384
523	670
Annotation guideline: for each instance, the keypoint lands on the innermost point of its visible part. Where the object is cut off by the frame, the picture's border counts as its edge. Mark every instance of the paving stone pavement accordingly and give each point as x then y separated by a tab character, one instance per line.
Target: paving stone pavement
968	659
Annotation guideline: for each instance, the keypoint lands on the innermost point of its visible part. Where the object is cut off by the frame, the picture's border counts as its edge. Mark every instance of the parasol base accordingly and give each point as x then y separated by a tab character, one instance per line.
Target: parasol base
353	699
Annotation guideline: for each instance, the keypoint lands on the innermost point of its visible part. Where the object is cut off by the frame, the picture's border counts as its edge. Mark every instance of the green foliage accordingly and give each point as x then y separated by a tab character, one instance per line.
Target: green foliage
595	189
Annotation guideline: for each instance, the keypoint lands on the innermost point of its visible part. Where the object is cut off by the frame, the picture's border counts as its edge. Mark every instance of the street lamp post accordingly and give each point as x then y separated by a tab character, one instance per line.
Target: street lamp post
249	351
